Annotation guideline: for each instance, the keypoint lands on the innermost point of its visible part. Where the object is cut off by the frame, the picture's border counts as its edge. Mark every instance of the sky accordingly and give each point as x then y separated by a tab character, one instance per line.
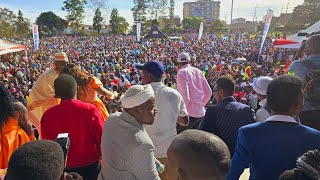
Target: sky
242	8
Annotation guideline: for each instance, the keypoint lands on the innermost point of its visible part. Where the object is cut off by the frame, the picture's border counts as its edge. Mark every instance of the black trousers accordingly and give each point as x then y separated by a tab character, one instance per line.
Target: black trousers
89	172
311	119
193	124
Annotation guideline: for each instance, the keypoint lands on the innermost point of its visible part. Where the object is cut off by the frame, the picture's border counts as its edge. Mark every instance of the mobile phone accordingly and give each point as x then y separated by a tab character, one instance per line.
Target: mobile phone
64	141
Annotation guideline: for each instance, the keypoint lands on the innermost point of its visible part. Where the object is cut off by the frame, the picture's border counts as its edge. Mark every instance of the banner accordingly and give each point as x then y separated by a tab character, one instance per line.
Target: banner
35	33
200	31
265	30
138	31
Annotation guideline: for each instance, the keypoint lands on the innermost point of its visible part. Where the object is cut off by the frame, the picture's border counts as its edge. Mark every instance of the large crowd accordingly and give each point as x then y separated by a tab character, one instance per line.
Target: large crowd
128	108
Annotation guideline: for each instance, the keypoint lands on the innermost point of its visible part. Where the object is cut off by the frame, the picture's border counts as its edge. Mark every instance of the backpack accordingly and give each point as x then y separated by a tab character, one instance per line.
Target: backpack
312	83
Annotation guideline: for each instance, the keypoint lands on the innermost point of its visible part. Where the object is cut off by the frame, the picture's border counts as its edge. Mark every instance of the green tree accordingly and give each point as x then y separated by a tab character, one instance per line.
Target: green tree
157	8
113	20
75	10
7	18
119	25
192	23
22	25
97	20
171	11
307	13
139	10
122	24
49	22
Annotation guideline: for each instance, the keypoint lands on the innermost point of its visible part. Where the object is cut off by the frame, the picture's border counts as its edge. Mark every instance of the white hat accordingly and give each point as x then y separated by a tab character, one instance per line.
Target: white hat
136	96
260	85
62	57
183	57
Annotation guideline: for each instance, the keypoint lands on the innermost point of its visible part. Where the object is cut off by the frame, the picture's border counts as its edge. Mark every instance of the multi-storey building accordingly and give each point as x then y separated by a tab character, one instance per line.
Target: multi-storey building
209	10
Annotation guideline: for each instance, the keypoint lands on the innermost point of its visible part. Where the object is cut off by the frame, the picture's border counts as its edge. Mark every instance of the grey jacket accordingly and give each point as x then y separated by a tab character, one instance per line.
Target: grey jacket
127	150
300	68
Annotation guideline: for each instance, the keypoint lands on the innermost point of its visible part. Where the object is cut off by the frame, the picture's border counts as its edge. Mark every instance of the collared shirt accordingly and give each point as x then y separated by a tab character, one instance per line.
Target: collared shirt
12	137
262	114
282	118
194	90
170	106
127	150
84	124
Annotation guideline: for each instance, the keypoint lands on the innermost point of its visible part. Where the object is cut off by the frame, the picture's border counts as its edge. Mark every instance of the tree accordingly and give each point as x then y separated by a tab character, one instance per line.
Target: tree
75	10
123	25
171	11
217	25
22	25
97	20
157	7
7	18
192	23
113	20
49	22
307	13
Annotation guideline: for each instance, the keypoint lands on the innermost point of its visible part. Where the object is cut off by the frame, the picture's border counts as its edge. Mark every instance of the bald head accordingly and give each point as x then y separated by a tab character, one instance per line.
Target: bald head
196	154
313	45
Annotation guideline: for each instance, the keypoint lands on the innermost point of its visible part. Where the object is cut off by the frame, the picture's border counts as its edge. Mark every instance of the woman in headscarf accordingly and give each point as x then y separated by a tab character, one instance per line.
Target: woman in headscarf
89	88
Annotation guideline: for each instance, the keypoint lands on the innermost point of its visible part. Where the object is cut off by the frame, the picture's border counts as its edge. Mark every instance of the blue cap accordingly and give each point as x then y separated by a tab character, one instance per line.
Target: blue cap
154	67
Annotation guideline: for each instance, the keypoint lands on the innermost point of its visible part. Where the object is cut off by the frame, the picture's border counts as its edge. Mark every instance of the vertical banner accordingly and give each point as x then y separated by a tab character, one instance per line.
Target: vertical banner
265	30
138	31
36	41
200	31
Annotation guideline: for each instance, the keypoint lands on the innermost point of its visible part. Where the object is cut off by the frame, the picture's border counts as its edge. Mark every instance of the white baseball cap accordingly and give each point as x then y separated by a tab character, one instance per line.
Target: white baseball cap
183	57
260	85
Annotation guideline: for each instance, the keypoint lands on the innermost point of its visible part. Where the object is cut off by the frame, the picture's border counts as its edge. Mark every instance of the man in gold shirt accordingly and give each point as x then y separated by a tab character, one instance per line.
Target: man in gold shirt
42	96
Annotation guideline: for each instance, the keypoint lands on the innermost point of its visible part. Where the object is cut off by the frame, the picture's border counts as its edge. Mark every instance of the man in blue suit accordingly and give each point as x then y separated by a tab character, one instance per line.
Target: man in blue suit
227	116
269	148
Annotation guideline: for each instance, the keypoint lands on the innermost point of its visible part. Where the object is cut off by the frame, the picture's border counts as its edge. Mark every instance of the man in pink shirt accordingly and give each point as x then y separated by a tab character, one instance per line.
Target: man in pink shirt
194	89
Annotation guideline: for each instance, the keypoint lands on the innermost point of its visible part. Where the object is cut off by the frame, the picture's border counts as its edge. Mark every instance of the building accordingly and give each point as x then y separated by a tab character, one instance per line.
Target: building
238	21
244	27
209	10
285	18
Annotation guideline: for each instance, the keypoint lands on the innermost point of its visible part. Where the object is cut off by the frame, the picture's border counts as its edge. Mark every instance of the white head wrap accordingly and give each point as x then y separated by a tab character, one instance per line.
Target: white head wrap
136	95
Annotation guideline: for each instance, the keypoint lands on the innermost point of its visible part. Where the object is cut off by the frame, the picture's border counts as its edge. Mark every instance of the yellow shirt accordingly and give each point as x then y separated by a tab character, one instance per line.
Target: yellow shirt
12	137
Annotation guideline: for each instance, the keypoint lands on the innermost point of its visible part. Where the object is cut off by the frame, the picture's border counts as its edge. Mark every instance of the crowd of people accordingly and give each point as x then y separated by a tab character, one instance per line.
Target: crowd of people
160	109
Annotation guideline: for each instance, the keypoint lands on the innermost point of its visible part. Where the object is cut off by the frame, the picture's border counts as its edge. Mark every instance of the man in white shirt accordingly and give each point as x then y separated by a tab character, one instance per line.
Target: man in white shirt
260	86
171	109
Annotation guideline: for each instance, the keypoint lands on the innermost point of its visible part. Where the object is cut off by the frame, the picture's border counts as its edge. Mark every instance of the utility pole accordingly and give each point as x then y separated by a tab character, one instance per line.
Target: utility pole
255	14
231	11
287	7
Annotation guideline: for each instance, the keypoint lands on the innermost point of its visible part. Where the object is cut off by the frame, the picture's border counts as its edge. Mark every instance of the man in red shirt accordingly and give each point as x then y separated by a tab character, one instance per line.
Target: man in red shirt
82	121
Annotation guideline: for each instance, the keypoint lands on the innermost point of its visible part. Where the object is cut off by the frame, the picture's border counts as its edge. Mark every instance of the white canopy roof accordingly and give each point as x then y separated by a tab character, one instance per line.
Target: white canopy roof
7	47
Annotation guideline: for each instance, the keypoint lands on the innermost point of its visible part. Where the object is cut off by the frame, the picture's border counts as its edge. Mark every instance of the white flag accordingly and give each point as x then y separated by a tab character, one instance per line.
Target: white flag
200	31
265	30
36	40
138	31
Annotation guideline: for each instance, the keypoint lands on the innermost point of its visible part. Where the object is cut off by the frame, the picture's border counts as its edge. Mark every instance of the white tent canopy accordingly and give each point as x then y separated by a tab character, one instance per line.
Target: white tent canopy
7	47
302	35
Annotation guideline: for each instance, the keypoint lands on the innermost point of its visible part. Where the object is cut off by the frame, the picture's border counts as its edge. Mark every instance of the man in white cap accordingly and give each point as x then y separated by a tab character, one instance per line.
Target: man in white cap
127	150
42	93
260	86
194	89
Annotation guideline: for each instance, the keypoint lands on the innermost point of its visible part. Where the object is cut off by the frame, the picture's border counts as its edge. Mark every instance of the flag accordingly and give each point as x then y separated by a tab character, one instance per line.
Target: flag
200	31
138	31
36	41
265	30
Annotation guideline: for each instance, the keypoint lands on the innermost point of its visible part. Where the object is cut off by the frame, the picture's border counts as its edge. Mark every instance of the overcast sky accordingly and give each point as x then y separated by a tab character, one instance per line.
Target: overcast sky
242	8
